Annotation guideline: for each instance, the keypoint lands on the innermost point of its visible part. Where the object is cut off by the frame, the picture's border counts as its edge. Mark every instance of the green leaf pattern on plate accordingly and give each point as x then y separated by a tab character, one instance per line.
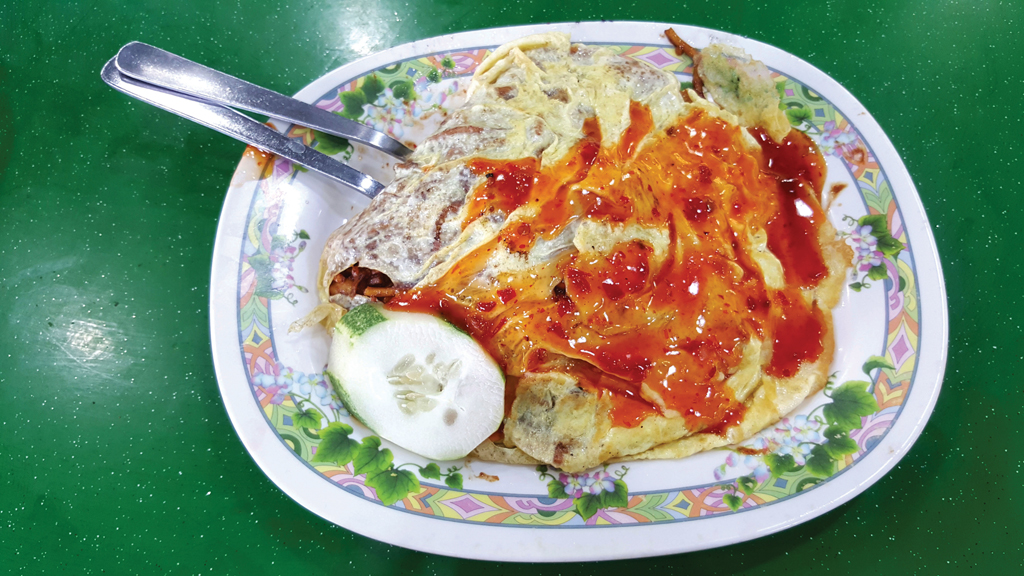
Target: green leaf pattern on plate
589	492
813	445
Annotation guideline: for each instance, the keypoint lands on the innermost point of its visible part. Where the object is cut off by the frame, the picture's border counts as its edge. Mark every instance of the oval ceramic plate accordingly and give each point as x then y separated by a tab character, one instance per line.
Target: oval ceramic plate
891	331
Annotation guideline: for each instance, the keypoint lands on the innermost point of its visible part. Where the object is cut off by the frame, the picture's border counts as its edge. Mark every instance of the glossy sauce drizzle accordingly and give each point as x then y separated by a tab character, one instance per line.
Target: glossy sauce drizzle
658	317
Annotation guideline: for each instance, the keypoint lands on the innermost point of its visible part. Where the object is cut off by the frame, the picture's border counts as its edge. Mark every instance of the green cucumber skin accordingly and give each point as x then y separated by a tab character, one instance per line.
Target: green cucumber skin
360	319
365	316
342	395
455	328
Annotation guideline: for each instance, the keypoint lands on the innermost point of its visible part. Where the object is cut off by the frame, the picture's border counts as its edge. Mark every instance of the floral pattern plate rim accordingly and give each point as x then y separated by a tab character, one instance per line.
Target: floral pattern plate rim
891	326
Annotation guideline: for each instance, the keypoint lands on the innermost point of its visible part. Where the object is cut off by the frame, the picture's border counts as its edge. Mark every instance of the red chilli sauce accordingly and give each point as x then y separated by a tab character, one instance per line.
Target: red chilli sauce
657	319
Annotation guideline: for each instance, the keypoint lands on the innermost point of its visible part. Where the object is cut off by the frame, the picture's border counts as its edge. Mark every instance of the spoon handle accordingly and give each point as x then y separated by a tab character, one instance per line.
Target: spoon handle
162	68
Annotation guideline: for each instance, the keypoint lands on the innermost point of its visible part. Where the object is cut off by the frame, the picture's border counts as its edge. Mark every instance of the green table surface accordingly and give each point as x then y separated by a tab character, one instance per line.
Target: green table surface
116	454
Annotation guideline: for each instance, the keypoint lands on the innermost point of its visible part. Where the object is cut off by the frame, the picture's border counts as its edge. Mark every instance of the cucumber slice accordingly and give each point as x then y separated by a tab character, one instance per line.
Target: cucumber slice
416	380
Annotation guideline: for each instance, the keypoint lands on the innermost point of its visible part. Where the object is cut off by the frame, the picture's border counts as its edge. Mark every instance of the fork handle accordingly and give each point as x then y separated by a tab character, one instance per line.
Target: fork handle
162	68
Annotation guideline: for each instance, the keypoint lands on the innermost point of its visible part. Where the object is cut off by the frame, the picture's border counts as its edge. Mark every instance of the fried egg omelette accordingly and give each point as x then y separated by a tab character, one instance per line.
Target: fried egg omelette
652	271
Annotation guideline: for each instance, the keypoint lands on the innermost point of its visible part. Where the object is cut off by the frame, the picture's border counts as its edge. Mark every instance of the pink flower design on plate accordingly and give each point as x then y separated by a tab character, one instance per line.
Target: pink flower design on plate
277	387
835	140
601	482
865	247
595	483
572	484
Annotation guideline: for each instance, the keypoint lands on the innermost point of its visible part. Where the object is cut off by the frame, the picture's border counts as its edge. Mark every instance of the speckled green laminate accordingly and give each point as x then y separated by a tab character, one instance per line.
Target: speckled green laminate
116	455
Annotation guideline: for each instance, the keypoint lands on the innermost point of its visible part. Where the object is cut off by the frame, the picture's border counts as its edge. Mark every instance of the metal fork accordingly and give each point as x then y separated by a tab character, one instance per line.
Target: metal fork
204	95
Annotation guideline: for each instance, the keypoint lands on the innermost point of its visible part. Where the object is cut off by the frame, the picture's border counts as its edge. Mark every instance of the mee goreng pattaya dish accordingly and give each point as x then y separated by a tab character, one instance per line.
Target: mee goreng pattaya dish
587	263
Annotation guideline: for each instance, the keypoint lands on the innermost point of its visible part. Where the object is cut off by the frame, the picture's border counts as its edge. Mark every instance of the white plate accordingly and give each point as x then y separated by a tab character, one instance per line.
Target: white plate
892	335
